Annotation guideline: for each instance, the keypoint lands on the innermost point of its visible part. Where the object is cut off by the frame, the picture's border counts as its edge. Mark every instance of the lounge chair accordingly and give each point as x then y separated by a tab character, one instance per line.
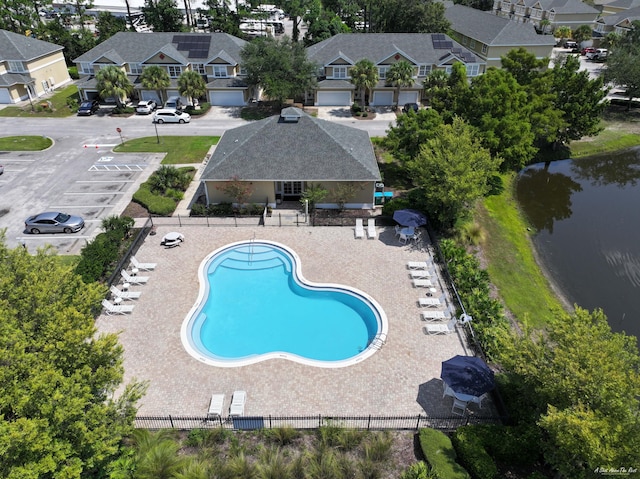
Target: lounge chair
430	302
133	279
142	266
422	283
215	406
371	228
124	294
448	328
359	232
421	274
417	265
237	403
459	407
111	308
433	316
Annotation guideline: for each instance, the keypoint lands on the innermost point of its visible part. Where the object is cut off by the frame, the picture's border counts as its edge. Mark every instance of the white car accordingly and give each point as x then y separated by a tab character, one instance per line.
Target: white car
171	115
146	107
599	55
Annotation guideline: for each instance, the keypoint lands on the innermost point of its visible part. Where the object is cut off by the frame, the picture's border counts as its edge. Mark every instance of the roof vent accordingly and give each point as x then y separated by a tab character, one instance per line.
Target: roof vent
290	114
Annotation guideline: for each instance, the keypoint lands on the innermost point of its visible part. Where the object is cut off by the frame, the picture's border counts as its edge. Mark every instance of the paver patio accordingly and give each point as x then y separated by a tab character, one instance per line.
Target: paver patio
400	379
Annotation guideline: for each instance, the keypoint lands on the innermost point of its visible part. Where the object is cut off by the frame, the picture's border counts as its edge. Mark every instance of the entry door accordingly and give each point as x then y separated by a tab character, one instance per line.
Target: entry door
291	190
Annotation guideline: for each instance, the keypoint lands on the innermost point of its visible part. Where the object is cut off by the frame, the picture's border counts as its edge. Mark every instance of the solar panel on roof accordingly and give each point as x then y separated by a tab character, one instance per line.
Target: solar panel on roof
196	46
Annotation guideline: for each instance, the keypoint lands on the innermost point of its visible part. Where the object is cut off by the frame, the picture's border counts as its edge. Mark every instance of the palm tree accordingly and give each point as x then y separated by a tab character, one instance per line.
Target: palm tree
191	84
364	75
544	25
155	78
611	40
113	82
563	32
400	75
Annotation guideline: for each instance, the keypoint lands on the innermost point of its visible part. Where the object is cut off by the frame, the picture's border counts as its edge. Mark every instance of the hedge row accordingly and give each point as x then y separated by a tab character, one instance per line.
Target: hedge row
440	454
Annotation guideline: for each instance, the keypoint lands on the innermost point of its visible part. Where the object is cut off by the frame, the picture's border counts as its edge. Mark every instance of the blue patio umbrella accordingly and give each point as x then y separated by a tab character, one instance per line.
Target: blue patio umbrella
409	217
467	375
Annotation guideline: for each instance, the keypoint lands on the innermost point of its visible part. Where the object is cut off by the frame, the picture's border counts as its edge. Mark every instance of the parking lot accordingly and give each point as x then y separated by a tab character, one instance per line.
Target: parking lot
86	180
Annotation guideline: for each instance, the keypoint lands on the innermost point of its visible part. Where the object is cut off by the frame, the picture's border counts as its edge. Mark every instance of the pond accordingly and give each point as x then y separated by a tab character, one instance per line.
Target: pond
587	216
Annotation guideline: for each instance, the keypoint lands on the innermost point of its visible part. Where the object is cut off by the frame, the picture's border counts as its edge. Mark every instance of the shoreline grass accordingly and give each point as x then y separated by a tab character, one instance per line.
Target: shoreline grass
607	141
179	149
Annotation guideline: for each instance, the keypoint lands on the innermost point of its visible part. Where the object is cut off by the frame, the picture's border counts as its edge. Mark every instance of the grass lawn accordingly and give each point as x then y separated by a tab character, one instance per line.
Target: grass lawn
611	139
24	143
58	103
179	149
511	263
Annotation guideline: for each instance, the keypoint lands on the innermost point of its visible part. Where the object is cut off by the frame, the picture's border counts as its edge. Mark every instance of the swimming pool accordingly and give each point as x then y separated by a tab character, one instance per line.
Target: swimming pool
254	304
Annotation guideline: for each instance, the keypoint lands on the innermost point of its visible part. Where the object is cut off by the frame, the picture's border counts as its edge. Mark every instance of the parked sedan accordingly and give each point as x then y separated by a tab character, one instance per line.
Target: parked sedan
1	169
146	107
171	115
88	108
53	222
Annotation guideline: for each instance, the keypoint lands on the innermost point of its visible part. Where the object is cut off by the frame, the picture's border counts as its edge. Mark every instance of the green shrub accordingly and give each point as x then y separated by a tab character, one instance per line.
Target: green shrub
440	454
73	73
72	103
468	444
356	108
204	108
198	209
155	204
98	255
123	110
518	445
282	435
378	448
419	470
221	209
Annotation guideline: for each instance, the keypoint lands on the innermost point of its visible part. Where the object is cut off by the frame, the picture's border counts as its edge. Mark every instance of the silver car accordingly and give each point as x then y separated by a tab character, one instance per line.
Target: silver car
146	107
53	222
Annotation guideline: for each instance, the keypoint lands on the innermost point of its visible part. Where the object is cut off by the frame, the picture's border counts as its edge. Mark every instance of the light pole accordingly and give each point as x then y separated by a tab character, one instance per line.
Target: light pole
155	125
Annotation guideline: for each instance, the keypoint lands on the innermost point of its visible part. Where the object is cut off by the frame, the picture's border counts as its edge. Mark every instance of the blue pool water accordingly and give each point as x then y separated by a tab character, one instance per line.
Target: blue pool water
255	305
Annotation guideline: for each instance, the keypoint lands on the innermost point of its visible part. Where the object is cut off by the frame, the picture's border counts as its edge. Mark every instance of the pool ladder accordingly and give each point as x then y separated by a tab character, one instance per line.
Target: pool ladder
379	341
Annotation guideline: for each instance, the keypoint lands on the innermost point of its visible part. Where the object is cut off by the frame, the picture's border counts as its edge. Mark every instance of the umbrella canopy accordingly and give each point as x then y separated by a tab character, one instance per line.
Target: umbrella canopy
409	217
467	375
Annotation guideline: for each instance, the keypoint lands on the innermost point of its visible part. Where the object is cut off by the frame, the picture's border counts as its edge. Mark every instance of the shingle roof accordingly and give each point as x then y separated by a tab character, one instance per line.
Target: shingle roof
308	149
572	6
631	15
624	4
134	47
9	79
493	30
380	46
22	48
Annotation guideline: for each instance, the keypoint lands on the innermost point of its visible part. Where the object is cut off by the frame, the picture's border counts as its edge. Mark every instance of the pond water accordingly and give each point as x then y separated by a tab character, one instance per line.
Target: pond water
587	216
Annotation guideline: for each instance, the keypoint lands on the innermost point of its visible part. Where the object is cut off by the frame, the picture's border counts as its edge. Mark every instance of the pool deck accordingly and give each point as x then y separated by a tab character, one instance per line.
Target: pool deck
402	378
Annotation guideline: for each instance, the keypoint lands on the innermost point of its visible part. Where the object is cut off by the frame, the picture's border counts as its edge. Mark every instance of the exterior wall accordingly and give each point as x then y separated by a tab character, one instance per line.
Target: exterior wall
47	68
17	93
262	191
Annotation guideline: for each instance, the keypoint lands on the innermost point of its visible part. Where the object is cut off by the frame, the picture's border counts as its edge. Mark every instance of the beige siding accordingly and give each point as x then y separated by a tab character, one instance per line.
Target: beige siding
48	68
262	190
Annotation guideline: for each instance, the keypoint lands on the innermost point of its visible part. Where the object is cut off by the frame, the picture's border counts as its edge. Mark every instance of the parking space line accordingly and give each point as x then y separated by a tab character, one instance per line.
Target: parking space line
116	168
97	193
59	207
105	181
50	236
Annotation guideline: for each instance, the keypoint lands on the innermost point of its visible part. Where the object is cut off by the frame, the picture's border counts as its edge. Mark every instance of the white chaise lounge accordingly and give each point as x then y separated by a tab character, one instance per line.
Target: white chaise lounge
359	231
215	406
447	328
133	279
371	228
237	403
420	274
124	294
417	265
142	266
433	316
430	302
111	308
422	283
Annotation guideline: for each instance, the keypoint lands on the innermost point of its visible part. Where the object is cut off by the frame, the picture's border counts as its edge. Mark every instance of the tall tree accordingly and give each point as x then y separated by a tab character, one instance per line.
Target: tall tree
296	9
580	383
156	78
582	33
400	75
223	18
364	75
562	32
192	85
58	415
411	131
523	65
499	108
322	24
280	67
581	99
623	64
112	82
108	25
409	16
453	170
163	15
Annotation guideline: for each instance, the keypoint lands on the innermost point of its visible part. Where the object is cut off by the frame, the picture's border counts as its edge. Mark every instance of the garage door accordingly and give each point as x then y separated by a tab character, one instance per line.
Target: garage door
170	93
382	98
334	98
150	95
227	98
4	96
408	97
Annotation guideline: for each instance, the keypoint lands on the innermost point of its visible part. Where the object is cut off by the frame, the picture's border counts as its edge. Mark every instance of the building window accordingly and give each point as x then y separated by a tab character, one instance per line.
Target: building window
16	67
85	68
339	72
552	16
448	69
220	71
135	68
199	67
320	72
174	70
520	10
382	72
465	40
472	44
473	69
484	49
424	70
242	71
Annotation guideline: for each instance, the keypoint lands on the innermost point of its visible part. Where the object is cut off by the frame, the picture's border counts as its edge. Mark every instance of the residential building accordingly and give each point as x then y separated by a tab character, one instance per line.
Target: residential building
426	52
29	68
492	37
281	155
619	22
214	55
619	6
570	13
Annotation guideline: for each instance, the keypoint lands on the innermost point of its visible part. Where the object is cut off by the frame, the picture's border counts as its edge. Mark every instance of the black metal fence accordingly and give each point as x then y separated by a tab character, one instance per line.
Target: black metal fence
311	422
137	241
